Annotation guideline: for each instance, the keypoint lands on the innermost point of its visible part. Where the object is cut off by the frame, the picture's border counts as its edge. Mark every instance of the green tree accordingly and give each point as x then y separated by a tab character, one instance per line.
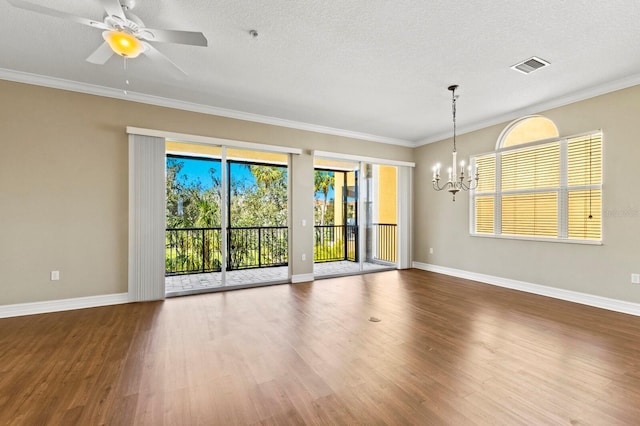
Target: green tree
258	203
263	202
189	204
268	176
324	181
174	189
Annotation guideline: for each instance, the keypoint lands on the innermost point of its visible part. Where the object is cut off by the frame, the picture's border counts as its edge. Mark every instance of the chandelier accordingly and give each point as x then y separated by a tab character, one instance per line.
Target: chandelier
456	181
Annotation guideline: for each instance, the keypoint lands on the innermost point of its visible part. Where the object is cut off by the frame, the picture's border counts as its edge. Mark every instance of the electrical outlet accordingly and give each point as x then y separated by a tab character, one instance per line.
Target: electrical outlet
635	278
55	275
304	257
430	250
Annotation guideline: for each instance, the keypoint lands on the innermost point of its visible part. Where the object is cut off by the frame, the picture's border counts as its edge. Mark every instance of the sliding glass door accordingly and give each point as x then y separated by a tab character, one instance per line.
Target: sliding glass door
193	215
227	218
355	217
257	217
379	203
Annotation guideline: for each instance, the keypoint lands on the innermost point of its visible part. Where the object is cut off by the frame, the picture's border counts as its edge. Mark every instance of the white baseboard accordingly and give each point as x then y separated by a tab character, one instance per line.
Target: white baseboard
302	278
557	293
20	309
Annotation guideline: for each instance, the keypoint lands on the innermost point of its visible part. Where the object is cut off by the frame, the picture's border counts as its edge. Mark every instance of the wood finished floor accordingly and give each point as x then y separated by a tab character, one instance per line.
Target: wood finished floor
447	351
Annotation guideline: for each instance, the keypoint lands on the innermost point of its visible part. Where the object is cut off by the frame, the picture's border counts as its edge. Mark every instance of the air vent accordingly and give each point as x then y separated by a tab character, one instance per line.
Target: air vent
530	65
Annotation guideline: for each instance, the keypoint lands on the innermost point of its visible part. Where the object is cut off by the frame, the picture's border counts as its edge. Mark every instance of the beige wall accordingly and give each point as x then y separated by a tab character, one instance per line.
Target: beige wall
64	185
600	270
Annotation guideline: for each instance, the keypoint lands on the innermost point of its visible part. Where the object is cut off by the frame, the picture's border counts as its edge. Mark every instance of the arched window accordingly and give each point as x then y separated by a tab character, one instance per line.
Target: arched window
537	185
527	129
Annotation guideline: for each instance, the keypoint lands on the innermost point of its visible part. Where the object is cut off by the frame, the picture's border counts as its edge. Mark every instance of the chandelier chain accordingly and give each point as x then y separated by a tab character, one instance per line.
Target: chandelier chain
453	108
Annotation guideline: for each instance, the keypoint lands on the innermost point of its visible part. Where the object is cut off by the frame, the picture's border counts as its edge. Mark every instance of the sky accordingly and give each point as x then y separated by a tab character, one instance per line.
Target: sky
196	168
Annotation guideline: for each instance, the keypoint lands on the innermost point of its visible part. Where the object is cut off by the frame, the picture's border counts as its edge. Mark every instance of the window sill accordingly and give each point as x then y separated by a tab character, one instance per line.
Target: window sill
540	239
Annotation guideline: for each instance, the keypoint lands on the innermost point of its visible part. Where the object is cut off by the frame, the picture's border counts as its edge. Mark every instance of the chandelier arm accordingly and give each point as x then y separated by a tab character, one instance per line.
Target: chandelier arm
470	185
436	185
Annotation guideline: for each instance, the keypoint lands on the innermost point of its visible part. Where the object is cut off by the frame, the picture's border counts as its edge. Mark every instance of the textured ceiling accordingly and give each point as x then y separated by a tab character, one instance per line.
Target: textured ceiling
375	67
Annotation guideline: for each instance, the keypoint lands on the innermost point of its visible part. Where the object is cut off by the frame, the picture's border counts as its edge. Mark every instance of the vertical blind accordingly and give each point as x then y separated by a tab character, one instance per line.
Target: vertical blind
548	190
146	218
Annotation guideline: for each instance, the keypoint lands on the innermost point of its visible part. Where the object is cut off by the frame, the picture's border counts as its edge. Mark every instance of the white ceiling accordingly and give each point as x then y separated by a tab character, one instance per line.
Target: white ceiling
377	69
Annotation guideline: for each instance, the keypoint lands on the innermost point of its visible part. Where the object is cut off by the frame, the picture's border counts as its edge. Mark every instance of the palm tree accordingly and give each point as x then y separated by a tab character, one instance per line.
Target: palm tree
323	182
266	175
267	198
208	213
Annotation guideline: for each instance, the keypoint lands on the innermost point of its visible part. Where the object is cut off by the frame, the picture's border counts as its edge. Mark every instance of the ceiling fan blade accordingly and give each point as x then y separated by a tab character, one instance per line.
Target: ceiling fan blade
174	36
101	54
57	13
113	8
157	56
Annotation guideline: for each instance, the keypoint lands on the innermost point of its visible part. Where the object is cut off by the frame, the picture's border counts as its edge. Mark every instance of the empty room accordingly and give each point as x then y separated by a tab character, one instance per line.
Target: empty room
322	213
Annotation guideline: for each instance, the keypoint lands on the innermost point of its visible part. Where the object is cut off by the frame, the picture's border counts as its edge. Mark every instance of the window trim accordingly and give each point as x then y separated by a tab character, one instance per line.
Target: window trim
562	191
539	239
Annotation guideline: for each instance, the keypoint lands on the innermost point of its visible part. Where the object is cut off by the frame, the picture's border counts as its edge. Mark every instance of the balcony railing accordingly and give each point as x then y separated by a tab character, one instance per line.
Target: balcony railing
198	250
386	237
340	242
190	250
193	250
258	247
335	242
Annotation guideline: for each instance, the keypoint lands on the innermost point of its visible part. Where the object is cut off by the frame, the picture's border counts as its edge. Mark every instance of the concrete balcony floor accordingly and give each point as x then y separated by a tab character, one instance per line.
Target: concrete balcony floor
178	285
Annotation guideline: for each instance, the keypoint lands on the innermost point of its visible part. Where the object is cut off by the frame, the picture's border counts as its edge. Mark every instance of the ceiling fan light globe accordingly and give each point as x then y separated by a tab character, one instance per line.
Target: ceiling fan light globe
123	43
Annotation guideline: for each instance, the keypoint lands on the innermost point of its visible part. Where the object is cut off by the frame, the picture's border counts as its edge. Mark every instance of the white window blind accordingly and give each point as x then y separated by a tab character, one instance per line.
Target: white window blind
484	200
551	190
584	181
531	168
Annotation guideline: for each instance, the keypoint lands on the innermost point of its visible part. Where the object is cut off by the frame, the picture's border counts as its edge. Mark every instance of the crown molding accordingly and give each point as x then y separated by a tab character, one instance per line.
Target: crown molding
91	89
581	95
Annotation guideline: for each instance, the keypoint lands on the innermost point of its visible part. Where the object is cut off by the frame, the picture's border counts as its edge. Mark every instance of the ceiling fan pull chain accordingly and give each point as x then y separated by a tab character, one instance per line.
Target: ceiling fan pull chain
126	79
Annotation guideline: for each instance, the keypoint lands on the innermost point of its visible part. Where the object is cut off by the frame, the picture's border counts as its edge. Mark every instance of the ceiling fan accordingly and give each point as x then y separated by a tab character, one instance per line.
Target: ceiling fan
124	33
